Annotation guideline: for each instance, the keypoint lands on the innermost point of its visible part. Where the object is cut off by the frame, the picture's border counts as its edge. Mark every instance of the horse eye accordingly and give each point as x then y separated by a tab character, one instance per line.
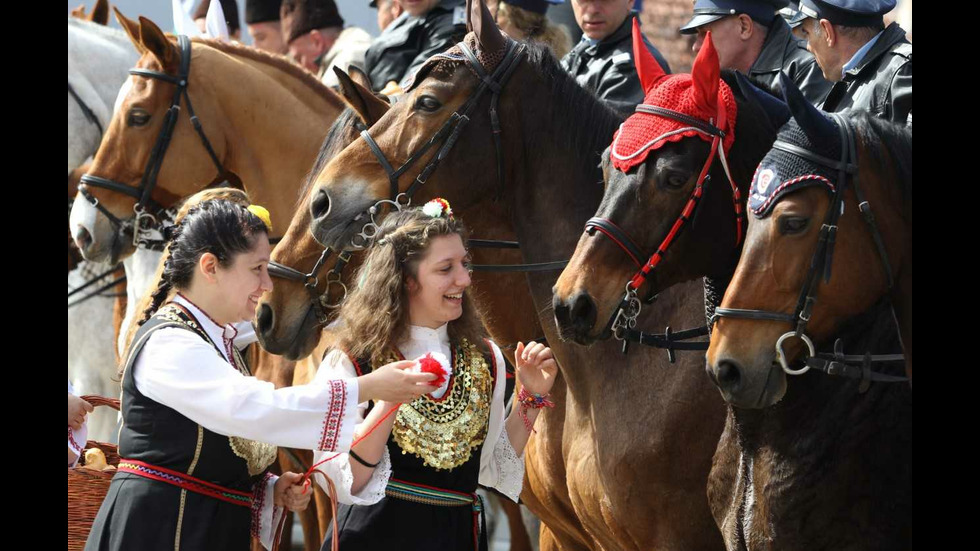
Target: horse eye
427	103
137	117
789	225
675	180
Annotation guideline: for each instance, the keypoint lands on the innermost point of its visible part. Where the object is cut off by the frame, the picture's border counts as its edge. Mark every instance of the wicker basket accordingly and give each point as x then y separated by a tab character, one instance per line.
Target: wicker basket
87	488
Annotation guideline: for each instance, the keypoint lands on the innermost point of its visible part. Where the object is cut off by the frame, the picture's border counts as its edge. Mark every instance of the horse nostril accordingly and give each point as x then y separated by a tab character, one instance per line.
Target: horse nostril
264	319
320	206
729	376
83	239
583	312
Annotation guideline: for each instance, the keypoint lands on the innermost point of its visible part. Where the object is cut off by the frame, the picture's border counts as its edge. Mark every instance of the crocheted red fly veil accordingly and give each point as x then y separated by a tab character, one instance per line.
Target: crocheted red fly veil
701	95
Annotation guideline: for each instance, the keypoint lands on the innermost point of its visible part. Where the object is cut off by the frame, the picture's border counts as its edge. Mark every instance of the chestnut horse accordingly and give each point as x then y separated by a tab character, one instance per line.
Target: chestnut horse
265	141
259	139
620	463
819	462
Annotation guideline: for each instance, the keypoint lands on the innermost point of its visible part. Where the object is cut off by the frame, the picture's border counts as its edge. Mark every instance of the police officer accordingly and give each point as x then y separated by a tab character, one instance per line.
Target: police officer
426	28
262	21
753	38
316	38
870	65
603	60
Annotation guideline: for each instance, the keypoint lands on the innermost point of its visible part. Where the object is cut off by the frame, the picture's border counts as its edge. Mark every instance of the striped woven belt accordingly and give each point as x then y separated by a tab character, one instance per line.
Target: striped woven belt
185	481
430	495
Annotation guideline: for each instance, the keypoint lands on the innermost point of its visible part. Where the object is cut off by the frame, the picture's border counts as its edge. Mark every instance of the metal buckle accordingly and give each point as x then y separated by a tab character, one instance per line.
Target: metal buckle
781	356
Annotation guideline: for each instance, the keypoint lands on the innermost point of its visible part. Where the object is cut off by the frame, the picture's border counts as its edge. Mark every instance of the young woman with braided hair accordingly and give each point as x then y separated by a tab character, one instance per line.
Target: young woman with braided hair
198	432
411	482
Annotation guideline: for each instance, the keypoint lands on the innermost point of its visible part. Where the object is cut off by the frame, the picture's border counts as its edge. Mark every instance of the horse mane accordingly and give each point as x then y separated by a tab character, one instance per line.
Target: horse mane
279	62
583	122
332	144
878	136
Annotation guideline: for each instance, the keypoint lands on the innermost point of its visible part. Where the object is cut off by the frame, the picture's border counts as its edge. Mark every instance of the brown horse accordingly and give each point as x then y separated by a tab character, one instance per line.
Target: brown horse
265	140
818	462
620	463
100	12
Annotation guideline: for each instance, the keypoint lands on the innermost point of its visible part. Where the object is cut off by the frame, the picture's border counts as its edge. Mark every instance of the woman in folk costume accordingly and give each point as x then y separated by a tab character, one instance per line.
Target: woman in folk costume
198	432
411	482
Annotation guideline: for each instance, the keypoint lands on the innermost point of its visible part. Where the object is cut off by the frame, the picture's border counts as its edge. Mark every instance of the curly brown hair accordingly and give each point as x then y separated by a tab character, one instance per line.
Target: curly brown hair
375	314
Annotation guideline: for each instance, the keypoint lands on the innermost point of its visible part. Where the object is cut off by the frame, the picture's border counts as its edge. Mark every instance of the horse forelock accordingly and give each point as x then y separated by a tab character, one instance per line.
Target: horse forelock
333	144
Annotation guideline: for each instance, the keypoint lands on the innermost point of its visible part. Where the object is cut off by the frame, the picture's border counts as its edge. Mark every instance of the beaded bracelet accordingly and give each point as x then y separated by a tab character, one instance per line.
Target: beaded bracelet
532	400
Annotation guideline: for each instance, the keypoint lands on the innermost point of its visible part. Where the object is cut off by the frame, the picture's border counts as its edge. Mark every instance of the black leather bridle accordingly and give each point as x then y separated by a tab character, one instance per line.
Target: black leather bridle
836	363
146	223
86	110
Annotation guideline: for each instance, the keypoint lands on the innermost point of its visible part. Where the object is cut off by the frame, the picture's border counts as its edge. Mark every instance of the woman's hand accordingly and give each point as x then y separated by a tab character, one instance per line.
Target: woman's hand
394	383
536	367
289	492
77	410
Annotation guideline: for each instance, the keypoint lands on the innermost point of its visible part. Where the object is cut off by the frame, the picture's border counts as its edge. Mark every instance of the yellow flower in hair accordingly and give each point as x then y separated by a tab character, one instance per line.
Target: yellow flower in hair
263	215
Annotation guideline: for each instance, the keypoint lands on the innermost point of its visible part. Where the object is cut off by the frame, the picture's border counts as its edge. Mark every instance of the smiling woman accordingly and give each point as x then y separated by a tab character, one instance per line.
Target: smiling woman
198	431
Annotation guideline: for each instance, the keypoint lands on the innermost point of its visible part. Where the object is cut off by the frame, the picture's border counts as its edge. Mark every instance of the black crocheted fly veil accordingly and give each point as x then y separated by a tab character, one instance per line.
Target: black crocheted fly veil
447	61
781	172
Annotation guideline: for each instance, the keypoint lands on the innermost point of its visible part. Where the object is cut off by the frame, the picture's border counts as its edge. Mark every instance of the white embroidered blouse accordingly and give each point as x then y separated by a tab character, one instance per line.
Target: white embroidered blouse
180	370
500	466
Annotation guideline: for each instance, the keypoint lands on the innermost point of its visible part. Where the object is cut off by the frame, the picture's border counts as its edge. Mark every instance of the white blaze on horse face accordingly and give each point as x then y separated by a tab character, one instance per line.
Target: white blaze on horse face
121	96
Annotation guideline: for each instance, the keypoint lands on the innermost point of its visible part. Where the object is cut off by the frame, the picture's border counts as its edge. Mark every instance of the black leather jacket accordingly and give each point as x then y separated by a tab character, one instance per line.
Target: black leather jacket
784	52
881	83
409	41
607	68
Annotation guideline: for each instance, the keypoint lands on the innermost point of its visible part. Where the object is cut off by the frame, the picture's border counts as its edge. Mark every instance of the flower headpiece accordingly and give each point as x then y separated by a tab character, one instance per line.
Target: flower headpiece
263	214
438	208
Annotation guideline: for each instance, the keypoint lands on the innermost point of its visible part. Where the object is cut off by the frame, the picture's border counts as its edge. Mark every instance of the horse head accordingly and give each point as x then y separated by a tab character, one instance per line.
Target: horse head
669	202
135	136
399	154
289	318
785	251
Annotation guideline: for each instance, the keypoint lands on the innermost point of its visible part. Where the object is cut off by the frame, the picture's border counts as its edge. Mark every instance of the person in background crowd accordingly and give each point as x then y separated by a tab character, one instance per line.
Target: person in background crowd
262	21
230	9
316	38
870	65
752	38
525	20
388	11
602	61
426	28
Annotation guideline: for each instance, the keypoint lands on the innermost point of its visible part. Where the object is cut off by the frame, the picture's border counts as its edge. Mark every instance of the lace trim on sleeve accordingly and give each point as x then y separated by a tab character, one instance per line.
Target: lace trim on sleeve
510	468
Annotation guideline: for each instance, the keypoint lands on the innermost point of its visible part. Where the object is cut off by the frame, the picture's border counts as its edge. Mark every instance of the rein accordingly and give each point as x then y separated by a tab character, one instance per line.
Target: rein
145	225
820	265
86	110
622	323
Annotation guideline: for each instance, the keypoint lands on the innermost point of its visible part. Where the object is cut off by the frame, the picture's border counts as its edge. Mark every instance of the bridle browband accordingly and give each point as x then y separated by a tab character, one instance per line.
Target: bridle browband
145	224
622	322
820	265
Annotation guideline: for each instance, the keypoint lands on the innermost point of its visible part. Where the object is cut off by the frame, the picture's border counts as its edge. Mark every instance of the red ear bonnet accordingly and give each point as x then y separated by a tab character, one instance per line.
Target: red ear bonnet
701	94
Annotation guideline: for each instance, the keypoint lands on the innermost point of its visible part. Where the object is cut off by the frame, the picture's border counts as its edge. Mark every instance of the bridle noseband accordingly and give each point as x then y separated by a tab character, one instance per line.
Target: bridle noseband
820	265
622	323
145	224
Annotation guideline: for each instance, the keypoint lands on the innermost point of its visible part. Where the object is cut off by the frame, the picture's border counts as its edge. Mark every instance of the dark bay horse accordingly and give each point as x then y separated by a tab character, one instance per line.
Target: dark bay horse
818	462
621	463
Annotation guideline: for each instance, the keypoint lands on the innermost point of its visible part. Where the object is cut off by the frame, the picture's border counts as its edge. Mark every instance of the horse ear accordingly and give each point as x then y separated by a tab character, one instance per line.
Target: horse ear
360	98
100	12
647	67
481	23
814	123
359	76
157	43
79	12
774	108
705	74
132	29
